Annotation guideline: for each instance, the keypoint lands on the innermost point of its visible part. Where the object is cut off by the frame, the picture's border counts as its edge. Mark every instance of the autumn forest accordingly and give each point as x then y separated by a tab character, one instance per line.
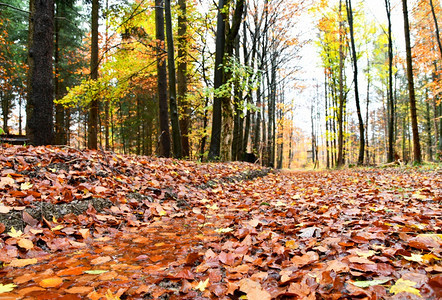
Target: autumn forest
221	81
225	149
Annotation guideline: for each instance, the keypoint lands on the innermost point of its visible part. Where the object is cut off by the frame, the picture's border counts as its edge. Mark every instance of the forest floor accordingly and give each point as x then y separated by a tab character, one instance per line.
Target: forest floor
94	225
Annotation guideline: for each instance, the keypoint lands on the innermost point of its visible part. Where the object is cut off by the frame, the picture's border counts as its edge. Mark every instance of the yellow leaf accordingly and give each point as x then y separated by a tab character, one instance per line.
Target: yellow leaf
365	254
26	186
4	288
163	213
223	230
202	285
291	244
58	227
414	257
428	258
14	233
404	286
214	206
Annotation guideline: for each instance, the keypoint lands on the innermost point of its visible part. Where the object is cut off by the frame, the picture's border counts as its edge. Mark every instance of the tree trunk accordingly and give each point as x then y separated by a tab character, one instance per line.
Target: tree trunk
174	116
164	138
355	72
93	106
182	77
390	100
340	161
413	111
428	128
215	140
60	132
40	126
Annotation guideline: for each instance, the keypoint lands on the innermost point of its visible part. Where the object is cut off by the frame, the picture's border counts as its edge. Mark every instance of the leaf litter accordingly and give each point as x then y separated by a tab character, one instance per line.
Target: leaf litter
182	230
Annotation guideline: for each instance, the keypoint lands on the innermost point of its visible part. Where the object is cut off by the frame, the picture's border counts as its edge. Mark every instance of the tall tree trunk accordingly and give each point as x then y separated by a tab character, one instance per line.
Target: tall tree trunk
60	132
182	77
215	140
174	115
93	106
162	81
428	128
340	160
390	100
413	111
40	126
437	35
355	72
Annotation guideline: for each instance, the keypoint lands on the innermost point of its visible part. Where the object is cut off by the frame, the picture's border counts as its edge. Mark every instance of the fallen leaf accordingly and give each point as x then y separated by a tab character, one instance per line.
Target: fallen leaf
368	283
405	286
414	257
253	290
95	272
23	262
100	260
14	233
26	186
79	290
4	288
202	285
4	209
51	282
25	243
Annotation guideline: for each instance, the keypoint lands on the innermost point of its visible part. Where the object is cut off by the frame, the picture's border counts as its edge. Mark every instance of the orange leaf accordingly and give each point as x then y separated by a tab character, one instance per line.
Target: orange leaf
25	243
100	260
51	282
23	262
79	290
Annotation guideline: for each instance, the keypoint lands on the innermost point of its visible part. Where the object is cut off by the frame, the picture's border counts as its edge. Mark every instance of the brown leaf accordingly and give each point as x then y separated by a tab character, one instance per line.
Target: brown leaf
100	260
253	290
23	262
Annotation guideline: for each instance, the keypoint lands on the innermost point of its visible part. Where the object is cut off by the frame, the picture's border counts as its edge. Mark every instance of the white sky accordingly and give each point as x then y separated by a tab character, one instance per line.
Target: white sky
374	10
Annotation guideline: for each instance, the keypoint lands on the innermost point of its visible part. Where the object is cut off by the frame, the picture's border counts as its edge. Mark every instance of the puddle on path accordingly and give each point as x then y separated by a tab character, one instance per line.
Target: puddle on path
132	261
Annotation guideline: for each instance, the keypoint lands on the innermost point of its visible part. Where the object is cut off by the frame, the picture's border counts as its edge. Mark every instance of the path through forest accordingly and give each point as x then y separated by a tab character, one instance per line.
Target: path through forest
183	230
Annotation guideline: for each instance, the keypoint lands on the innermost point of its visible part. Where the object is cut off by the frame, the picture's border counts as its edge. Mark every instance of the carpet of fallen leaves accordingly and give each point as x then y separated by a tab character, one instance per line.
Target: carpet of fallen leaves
173	229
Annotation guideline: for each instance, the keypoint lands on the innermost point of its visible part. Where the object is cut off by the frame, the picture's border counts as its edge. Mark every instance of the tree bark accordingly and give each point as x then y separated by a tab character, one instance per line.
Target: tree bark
340	161
215	140
40	126
164	139
390	100
355	72
413	111
174	115
93	106
182	77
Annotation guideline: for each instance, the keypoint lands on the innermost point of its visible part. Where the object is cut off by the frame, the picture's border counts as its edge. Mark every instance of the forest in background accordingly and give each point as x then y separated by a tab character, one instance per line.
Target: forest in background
214	82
